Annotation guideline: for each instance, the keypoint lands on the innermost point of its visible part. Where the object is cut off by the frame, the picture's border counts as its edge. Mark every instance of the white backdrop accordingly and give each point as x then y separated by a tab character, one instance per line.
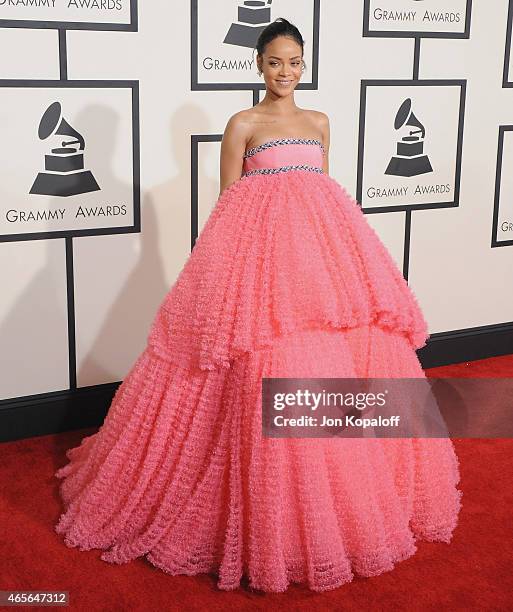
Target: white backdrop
460	280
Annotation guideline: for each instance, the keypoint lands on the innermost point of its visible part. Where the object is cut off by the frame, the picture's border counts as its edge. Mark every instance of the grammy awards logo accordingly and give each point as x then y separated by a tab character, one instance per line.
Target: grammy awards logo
252	17
410	159
64	173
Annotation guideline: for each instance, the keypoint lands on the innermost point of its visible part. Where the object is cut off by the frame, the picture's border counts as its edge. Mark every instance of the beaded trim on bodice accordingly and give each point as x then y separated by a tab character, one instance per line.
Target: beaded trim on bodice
280	141
283	169
275	168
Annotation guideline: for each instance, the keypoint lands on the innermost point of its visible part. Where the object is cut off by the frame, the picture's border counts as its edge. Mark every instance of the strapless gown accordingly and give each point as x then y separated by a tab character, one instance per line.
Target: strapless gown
286	279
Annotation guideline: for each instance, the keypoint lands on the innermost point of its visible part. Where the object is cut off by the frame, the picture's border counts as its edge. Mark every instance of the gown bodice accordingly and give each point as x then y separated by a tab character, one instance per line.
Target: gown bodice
283	154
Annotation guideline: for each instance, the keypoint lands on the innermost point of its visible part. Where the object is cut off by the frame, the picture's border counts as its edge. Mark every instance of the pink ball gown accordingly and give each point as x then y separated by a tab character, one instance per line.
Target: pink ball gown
286	279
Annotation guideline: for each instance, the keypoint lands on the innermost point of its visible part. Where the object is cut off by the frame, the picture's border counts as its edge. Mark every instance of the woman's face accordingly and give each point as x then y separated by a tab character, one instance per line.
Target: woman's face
281	65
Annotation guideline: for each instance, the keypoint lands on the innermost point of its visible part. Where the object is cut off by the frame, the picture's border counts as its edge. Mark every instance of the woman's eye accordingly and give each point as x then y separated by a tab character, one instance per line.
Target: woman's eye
276	63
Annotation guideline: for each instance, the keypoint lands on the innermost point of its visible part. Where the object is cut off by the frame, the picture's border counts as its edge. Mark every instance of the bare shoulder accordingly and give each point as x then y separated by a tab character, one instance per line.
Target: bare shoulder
237	124
238	129
321	119
322	123
237	132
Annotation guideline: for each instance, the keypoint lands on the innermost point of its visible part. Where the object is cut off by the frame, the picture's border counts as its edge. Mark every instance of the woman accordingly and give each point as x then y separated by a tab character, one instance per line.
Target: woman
287	279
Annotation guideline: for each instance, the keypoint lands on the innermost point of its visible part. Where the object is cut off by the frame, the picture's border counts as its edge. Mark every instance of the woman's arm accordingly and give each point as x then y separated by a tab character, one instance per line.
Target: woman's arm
233	146
325	129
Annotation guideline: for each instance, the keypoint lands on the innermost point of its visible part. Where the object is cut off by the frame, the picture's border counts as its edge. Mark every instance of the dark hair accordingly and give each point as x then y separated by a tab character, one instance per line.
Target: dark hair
279	27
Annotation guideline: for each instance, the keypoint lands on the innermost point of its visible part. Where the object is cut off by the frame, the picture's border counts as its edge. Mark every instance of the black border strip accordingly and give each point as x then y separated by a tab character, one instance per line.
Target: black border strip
507	47
70	294
361	141
196	139
54	412
77	25
257	85
128	229
428	34
497	192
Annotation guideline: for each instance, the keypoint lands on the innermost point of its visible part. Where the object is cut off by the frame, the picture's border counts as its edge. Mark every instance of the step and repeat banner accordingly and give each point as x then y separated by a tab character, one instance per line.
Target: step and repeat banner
109	156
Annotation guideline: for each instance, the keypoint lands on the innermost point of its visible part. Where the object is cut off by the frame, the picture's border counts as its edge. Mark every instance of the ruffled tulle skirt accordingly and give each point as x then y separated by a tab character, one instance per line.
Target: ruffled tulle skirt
287	279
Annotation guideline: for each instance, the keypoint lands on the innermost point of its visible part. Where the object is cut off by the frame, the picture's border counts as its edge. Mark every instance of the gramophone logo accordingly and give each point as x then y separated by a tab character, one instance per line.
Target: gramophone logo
410	159
252	17
64	173
223	44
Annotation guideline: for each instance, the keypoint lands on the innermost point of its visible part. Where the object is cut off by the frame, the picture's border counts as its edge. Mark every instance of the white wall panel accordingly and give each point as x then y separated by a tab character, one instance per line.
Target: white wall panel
33	328
120	279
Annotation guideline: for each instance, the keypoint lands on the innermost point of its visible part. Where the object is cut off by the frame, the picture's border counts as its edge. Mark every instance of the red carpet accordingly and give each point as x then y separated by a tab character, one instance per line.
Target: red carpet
474	572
